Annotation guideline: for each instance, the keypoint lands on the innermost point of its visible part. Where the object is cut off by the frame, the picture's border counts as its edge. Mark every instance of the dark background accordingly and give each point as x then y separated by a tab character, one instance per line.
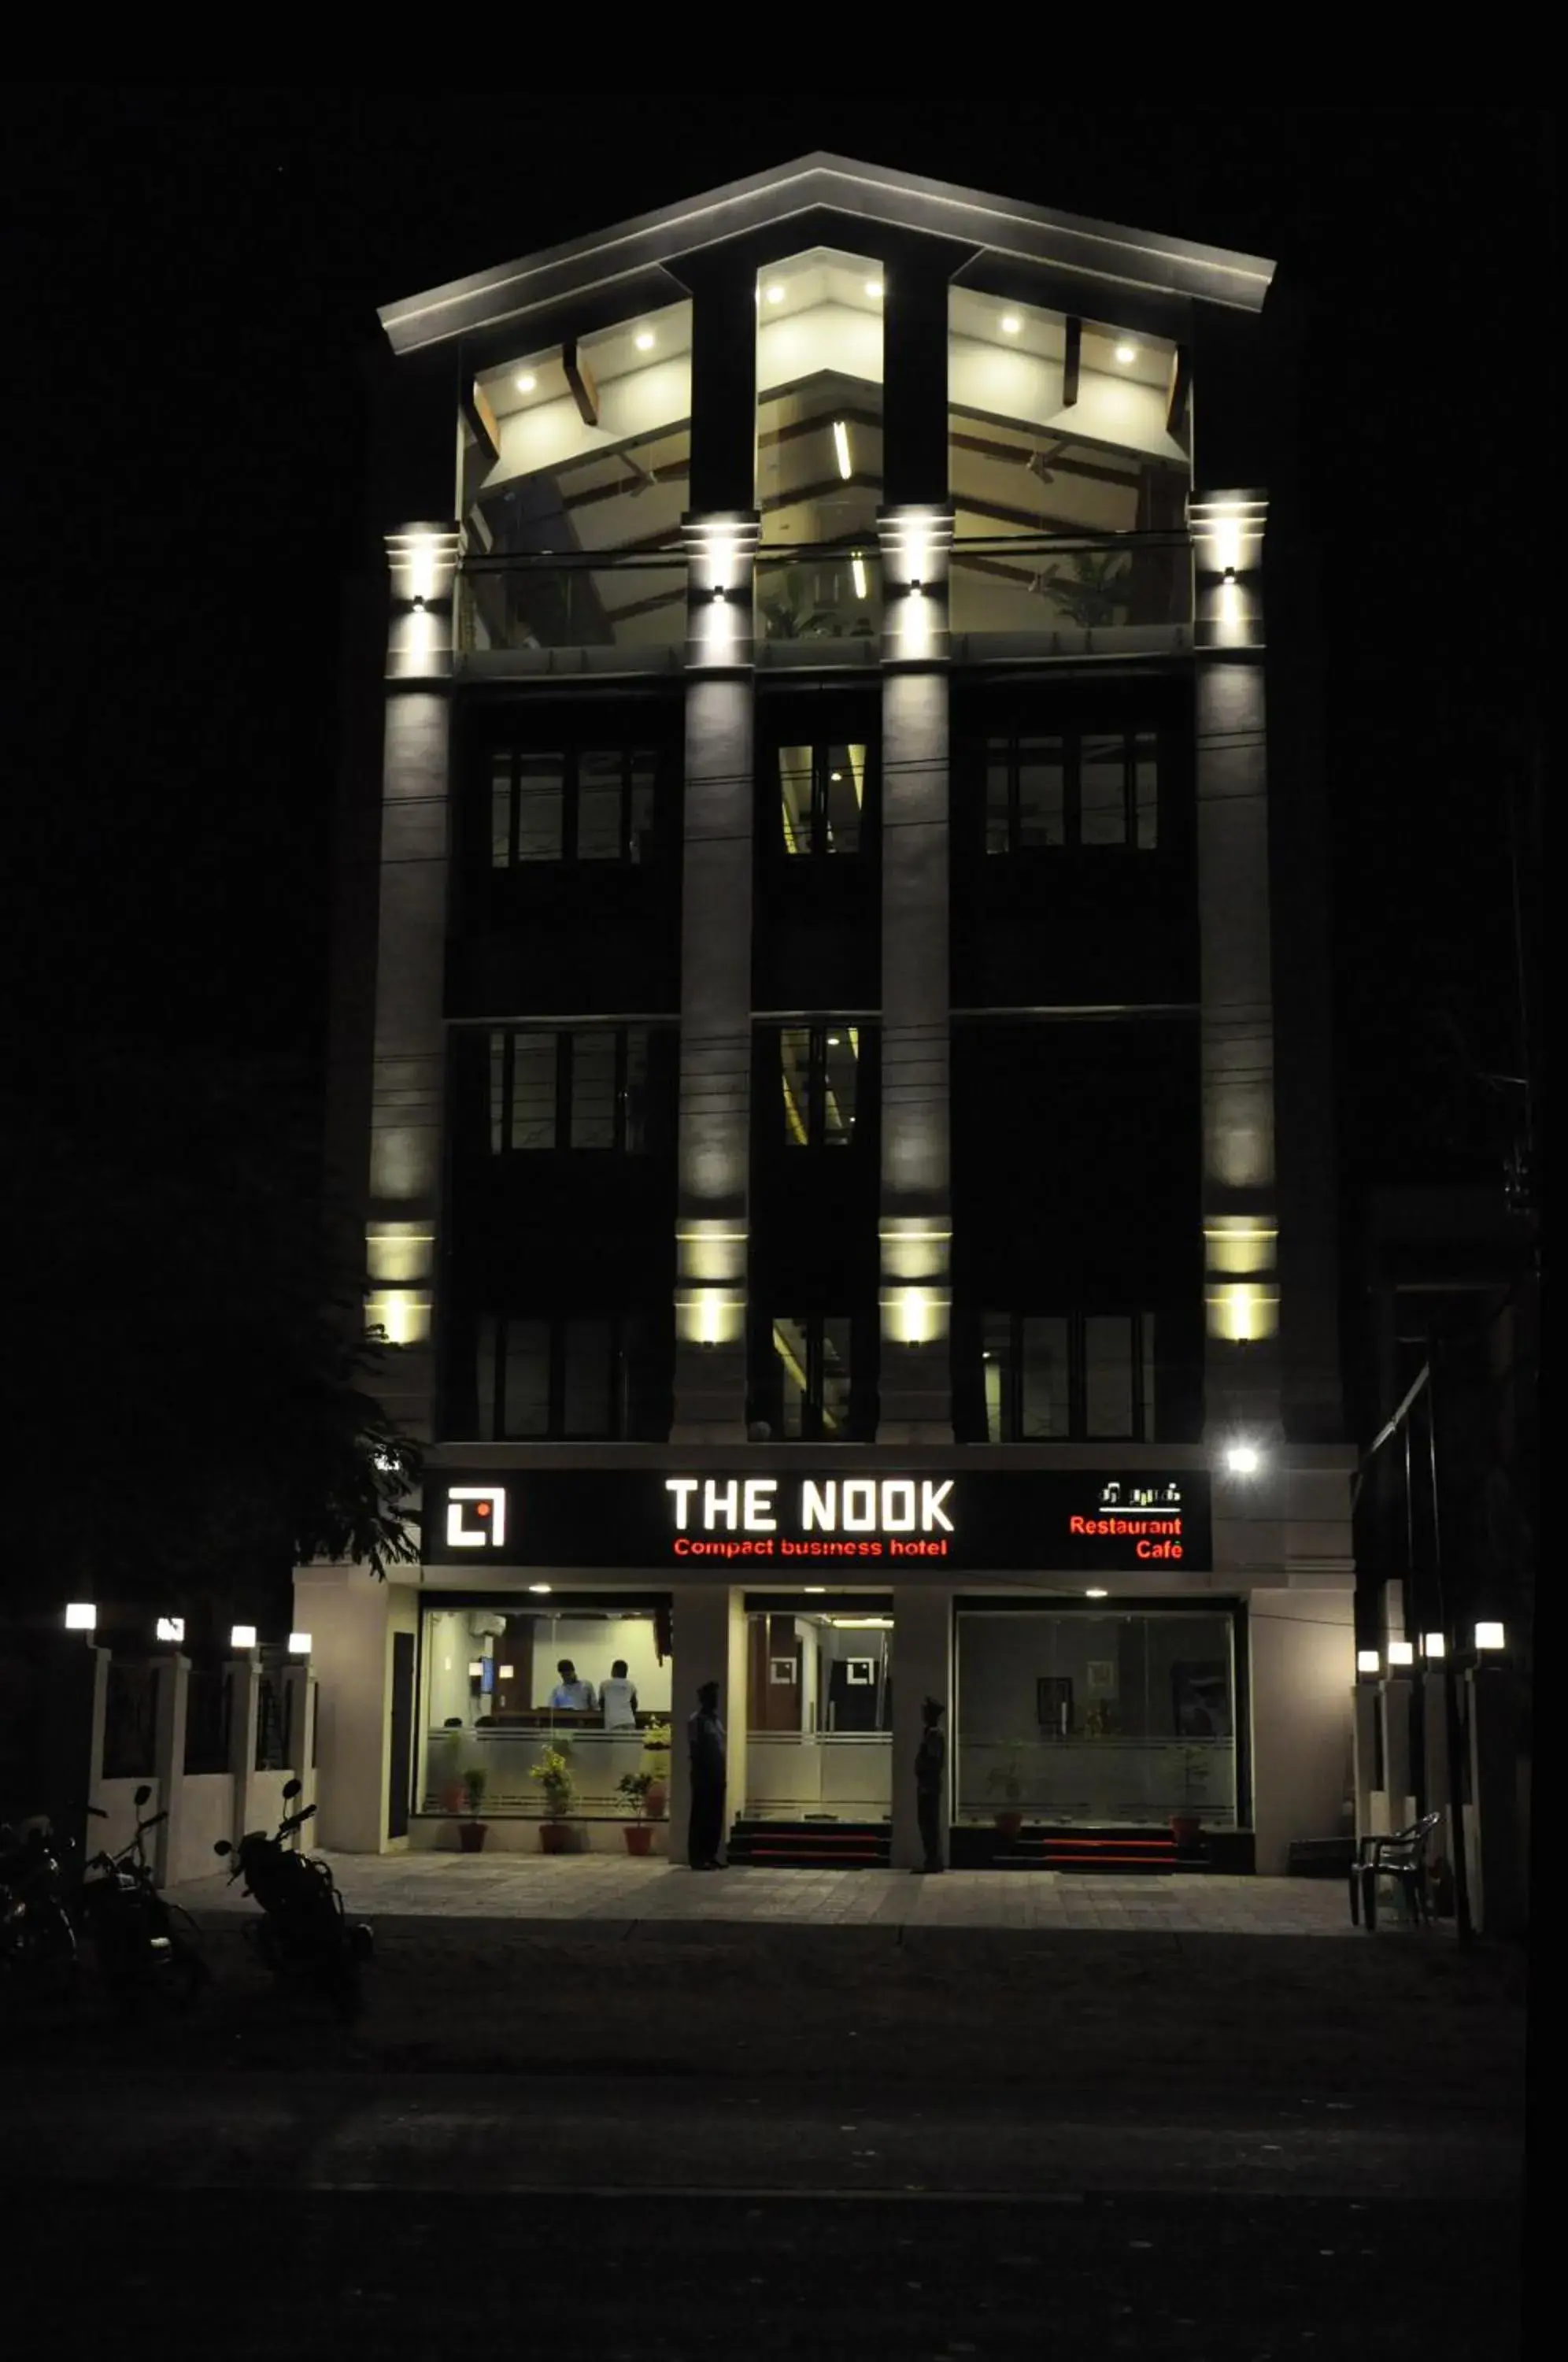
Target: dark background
192	283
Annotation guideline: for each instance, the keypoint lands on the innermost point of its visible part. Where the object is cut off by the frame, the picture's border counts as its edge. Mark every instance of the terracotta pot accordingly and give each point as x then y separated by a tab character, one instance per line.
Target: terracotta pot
1008	1825
471	1836
655	1799
452	1797
638	1837
554	1837
1185	1829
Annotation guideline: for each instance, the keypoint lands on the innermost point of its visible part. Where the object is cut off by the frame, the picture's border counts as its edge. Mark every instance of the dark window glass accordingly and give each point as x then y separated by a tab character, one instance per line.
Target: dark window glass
1045	1410
525	1407
1103	793
1049	1377
814	1356
1108	1374
1042	792
821	799
588	1352
585	1087
819	1071
599	803
588	804
1093	788
594	1098
583	1377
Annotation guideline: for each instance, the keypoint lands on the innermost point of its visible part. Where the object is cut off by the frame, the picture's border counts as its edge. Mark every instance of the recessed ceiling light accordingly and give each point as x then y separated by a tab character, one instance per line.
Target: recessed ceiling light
644	340
776	293
526	382
834	1039
1010	324
1125	353
874	289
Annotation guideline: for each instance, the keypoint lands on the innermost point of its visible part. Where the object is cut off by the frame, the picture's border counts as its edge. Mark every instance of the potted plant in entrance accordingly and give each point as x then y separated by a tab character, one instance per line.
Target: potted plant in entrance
472	1832
553	1773
1006	1780
656	1747
637	1786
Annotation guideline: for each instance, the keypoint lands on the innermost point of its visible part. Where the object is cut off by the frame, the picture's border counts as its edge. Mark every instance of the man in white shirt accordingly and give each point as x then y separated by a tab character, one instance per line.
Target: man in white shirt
618	1699
569	1691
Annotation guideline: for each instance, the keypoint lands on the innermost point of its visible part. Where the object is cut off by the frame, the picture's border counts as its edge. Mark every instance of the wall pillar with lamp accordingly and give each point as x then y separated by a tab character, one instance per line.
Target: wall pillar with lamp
708	1635
922	1668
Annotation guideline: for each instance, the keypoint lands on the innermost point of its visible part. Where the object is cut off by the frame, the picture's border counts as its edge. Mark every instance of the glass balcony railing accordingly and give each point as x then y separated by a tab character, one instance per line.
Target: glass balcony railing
820	595
1076	584
522	605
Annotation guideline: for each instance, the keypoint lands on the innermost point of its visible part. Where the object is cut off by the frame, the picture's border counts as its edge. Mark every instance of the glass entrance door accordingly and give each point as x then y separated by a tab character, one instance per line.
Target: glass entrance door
819	1716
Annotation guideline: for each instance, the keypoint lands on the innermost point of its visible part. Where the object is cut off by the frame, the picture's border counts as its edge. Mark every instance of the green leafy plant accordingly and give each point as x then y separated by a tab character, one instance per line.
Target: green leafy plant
797	612
473	1790
656	1746
1095	589
634	1786
553	1773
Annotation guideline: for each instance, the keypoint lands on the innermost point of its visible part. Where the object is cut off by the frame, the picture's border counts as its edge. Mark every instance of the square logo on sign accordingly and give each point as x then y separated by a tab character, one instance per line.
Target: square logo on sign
476	1517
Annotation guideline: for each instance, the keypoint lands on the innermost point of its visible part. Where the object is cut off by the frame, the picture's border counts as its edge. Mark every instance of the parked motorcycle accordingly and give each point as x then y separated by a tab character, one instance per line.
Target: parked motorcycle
38	1941
138	1939
303	1930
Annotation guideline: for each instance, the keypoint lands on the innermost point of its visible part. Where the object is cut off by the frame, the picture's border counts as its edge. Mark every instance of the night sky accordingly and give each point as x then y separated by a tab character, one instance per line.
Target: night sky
192	283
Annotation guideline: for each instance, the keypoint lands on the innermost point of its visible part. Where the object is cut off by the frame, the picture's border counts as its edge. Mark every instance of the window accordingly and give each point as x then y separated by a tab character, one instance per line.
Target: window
583	1088
821	797
813	1355
819	1068
1052	1377
561	1377
1079	788
586	804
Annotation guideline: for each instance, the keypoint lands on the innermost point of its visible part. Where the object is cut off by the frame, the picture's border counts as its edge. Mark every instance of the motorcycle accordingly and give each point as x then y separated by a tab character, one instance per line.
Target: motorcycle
303	1930
37	1939
138	1939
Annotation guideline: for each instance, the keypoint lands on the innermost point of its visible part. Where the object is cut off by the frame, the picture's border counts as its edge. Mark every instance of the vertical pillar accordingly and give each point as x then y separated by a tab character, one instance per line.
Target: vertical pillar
349	1615
915	1216
1395	1699
174	1693
299	1690
922	1668
410	1035
1498	1870
244	1672
1241	1223
1371	1820
1434	1739
708	1644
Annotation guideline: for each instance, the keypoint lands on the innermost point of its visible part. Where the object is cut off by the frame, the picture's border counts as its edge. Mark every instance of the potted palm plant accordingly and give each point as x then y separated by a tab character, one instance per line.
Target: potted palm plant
553	1773
472	1832
638	1832
1006	1780
656	1747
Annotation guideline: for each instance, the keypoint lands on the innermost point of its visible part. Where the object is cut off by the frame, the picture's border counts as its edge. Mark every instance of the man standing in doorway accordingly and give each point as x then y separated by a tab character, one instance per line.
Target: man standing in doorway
931	1762
705	1741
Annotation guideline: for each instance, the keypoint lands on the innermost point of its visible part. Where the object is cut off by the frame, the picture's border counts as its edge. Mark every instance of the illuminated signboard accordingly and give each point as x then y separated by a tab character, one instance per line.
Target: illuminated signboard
968	1520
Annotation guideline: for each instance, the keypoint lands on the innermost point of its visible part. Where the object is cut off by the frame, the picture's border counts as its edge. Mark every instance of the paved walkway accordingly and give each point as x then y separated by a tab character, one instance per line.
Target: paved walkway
592	1887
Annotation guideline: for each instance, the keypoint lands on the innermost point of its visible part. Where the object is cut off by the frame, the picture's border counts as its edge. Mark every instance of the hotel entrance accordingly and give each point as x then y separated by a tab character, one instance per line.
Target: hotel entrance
819	1722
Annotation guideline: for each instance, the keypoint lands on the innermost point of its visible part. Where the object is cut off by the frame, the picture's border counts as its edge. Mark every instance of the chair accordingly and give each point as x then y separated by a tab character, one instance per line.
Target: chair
1401	1857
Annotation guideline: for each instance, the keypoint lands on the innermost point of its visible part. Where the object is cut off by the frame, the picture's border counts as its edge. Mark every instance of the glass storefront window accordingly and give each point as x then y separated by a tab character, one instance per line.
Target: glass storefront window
1088	1718
818	1714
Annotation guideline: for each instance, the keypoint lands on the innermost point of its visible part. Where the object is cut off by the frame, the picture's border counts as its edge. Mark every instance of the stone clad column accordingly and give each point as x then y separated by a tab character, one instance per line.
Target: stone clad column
707	1644
922	1668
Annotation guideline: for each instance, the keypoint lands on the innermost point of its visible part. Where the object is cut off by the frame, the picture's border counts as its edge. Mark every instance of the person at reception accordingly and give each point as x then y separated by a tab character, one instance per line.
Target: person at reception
930	1760
705	1742
569	1691
618	1699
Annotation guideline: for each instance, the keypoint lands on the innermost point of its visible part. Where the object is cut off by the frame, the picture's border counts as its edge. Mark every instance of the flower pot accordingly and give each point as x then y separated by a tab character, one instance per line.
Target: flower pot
655	1799
554	1837
1185	1829
1008	1825
638	1837
471	1836
452	1796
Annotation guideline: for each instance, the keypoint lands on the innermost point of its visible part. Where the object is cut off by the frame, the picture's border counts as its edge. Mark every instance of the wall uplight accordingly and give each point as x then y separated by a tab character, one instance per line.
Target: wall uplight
874	289
915	1312
170	1627
526	382
1367	1660
815	1587
242	1636
1243	1460
1125	353
1010	324
1096	1592
644	340
1490	1635
81	1616
299	1644
776	293
538	1586
1402	1653
857	575
1433	1646
840	446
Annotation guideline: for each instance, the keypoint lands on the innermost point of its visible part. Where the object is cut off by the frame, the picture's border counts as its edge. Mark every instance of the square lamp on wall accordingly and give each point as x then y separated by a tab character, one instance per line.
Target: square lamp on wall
1367	1660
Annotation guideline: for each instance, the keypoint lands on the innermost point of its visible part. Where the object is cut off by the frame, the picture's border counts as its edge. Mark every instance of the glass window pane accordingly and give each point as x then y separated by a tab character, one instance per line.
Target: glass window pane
593	1089
841	1055
794	1070
526	1404
1042	798
501	810
533	1090
844	790
998	769
1146	790
640	816
790	1345
836	1378
599	805
634	1100
1045	1408
540	799
795	797
1108	1374
1103	793
997	1368
1151	1407
585	1404
485	1378
497	1093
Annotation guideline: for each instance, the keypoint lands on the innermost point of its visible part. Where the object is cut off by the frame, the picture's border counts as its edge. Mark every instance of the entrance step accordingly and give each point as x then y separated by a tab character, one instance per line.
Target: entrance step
812	1845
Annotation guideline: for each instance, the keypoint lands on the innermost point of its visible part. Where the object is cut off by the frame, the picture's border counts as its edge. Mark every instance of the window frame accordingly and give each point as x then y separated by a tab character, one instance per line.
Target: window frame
814	1428
566	1039
821	751
1144	1328
1073	739
638	759
817	1031
618	1375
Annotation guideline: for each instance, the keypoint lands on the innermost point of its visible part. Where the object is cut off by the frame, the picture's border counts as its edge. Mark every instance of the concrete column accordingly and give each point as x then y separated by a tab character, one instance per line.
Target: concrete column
922	1668
1371	1819
1303	1741
244	1673
915	1217
410	1035
1498	1867
349	1617
714	1138
1395	1698
174	1693
299	1690
1435	1736
708	1644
